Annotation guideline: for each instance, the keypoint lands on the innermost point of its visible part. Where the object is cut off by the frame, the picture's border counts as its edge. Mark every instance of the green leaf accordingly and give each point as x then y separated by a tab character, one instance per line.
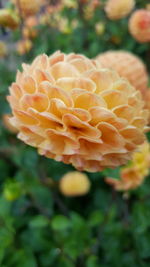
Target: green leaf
92	261
60	223
39	221
96	218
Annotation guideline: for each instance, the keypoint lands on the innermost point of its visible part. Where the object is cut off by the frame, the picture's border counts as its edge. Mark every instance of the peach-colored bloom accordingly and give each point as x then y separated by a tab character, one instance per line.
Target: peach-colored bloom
135	172
128	66
117	9
74	184
28	7
139	25
75	111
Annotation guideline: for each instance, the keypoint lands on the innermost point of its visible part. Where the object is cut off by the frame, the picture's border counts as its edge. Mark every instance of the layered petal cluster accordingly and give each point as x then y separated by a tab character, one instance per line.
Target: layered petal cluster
28	7
75	111
116	9
74	184
139	25
147	101
128	66
133	174
7	124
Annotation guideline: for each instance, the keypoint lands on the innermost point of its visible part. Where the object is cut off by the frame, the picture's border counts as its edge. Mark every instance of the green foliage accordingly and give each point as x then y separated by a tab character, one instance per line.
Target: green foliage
38	226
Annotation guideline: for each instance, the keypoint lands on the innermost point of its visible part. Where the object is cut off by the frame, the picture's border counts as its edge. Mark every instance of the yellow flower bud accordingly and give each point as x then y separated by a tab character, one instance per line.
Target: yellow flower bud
100	28
9	19
74	184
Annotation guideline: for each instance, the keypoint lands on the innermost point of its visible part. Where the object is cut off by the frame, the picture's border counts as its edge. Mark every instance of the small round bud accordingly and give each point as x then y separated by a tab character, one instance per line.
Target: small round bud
74	184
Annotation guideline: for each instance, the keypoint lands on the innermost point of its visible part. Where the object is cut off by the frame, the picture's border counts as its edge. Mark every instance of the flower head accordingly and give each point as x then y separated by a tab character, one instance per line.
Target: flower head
128	66
141	159
9	19
117	9
139	25
74	184
28	7
135	172
75	111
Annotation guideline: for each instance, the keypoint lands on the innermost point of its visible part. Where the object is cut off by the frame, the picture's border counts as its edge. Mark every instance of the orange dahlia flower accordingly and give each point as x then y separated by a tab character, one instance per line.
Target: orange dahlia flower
128	66
133	174
28	7
139	25
117	9
74	111
74	184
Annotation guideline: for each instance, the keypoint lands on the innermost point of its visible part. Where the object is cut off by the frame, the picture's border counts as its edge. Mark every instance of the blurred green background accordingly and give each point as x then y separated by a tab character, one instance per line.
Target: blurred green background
39	227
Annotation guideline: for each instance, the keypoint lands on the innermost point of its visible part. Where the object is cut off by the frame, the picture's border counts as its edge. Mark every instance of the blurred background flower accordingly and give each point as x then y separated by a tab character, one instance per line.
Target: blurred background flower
139	25
116	9
135	172
128	66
